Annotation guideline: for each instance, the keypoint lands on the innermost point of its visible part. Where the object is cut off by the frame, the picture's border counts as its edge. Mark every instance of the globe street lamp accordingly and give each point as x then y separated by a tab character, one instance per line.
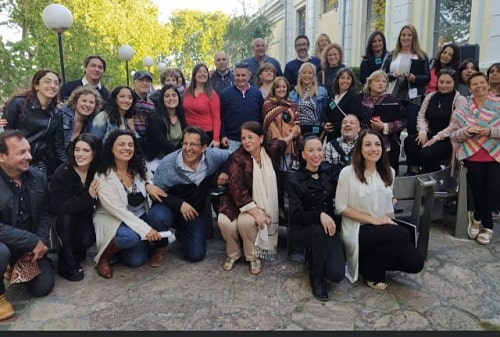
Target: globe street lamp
125	52
58	19
148	62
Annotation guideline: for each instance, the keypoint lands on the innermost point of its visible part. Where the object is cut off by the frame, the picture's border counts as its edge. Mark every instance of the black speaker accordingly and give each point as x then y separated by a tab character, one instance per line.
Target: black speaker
469	51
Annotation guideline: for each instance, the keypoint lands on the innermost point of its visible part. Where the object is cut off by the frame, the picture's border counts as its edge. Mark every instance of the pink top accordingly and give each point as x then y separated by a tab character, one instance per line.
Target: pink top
433	82
203	111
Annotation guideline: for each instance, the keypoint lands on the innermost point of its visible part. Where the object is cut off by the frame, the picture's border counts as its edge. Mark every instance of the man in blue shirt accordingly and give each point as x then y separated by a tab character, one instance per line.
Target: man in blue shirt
293	66
239	103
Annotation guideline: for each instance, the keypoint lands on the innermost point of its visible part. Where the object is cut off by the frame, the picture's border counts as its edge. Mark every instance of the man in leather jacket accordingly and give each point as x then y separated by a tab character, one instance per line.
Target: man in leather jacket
24	216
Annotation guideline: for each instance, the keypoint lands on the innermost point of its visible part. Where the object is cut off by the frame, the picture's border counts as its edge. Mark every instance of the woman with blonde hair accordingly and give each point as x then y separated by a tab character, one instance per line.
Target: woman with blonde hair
83	104
311	100
408	71
322	41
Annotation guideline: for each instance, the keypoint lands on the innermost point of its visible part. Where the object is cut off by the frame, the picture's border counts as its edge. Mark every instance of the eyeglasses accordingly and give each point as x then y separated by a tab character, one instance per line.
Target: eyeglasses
190	144
218	60
243	65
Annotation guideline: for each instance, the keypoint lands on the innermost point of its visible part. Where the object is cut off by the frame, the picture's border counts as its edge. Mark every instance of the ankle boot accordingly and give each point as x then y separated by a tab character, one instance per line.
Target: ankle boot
103	267
158	257
6	308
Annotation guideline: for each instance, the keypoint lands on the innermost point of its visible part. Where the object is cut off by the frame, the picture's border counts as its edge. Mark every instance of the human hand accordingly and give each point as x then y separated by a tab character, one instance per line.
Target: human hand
295	130
130	124
421	139
328	127
485	132
430	142
222	179
188	212
153	235
94	188
39	251
3	122
382	220
225	142
377	124
261	219
410	77
328	224
214	143
155	193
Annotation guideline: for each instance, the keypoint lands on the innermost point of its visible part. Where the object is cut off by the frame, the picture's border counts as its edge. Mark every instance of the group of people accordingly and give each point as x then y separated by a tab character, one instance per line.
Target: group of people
121	169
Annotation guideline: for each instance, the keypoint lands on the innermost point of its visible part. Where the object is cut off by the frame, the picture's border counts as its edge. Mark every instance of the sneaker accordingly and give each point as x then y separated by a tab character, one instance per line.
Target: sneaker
473	226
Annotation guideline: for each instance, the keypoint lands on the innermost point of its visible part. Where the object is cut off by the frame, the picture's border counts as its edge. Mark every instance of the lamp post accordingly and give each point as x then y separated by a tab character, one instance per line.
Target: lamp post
148	62
125	52
58	19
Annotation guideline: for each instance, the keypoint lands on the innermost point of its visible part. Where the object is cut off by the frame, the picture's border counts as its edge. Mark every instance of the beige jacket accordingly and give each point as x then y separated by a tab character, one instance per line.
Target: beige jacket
112	210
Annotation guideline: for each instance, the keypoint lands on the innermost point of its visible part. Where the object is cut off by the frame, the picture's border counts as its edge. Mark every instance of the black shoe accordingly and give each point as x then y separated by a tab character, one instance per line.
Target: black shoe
319	289
73	275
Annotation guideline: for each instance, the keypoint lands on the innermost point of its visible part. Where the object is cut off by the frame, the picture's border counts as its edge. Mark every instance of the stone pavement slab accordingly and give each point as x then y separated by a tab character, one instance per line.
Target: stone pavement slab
459	289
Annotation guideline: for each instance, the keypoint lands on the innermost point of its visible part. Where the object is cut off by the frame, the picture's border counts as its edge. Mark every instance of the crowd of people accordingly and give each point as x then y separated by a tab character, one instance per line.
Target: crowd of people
122	168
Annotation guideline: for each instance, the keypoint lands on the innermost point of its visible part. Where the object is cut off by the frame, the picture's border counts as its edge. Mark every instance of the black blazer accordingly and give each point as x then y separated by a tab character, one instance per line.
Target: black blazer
350	104
420	68
309	197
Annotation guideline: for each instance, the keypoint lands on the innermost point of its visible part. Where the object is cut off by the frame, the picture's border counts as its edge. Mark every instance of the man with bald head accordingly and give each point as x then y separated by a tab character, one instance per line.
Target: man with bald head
339	150
259	57
222	76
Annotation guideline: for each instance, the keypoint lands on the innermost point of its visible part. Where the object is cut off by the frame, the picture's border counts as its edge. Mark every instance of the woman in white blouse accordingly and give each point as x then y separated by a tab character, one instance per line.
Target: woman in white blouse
373	242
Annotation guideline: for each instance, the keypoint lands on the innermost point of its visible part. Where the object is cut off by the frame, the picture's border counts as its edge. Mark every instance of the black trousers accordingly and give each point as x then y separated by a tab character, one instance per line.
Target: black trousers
427	158
77	234
386	247
326	257
484	182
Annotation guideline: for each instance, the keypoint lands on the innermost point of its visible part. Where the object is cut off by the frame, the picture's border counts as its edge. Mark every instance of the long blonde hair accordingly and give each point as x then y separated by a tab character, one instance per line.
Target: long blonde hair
415	45
317	48
314	87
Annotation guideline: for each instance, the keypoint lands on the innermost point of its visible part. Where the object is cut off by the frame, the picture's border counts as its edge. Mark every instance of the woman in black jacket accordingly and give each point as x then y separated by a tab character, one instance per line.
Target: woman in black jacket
375	54
35	112
311	194
345	100
165	125
73	197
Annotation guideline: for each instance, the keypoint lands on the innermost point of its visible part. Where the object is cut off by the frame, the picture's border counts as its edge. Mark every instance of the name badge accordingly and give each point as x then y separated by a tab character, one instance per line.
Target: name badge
378	61
412	93
315	129
332	105
346	159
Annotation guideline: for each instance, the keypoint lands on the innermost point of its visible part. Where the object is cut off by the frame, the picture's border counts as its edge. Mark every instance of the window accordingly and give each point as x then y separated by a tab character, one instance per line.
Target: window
375	17
330	5
301	21
452	23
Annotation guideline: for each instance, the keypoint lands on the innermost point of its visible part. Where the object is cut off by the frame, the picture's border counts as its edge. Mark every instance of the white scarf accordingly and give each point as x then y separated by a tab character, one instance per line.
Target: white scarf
265	195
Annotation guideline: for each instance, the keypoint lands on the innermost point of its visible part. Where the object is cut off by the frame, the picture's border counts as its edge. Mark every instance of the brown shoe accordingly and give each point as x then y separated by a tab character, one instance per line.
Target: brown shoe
6	308
159	256
104	265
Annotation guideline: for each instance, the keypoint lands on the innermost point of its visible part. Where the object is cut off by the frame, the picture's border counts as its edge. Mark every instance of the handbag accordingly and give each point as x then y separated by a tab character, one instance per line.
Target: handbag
25	270
54	242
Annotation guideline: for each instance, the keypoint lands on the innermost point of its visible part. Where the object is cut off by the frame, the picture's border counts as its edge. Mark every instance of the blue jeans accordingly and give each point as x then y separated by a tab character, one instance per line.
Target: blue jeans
134	250
191	233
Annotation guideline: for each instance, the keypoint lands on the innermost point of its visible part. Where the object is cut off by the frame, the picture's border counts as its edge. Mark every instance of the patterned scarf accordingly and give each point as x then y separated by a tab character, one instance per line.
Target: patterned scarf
487	116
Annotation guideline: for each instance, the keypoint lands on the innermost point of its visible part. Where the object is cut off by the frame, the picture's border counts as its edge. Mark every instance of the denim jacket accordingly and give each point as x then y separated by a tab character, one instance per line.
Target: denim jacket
69	122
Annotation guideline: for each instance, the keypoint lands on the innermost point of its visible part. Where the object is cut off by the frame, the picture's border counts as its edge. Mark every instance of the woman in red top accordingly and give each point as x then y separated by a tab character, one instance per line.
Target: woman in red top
201	104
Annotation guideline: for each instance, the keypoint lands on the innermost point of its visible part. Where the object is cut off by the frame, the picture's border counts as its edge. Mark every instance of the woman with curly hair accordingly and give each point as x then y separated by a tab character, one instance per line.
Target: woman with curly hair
121	218
118	113
83	104
447	57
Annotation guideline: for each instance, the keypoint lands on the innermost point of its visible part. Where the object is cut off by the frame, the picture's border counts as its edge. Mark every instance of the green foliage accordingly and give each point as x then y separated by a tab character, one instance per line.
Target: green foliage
194	38
240	33
377	13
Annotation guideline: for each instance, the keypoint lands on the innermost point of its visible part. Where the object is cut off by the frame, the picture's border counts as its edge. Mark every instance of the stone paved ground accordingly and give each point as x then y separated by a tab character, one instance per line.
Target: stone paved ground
459	289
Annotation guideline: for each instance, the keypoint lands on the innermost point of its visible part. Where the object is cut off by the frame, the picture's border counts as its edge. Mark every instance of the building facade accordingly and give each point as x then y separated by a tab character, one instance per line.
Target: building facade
349	22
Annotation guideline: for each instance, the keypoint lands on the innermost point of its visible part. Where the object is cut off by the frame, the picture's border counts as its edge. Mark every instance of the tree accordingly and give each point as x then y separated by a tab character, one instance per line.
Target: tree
242	30
99	27
195	38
